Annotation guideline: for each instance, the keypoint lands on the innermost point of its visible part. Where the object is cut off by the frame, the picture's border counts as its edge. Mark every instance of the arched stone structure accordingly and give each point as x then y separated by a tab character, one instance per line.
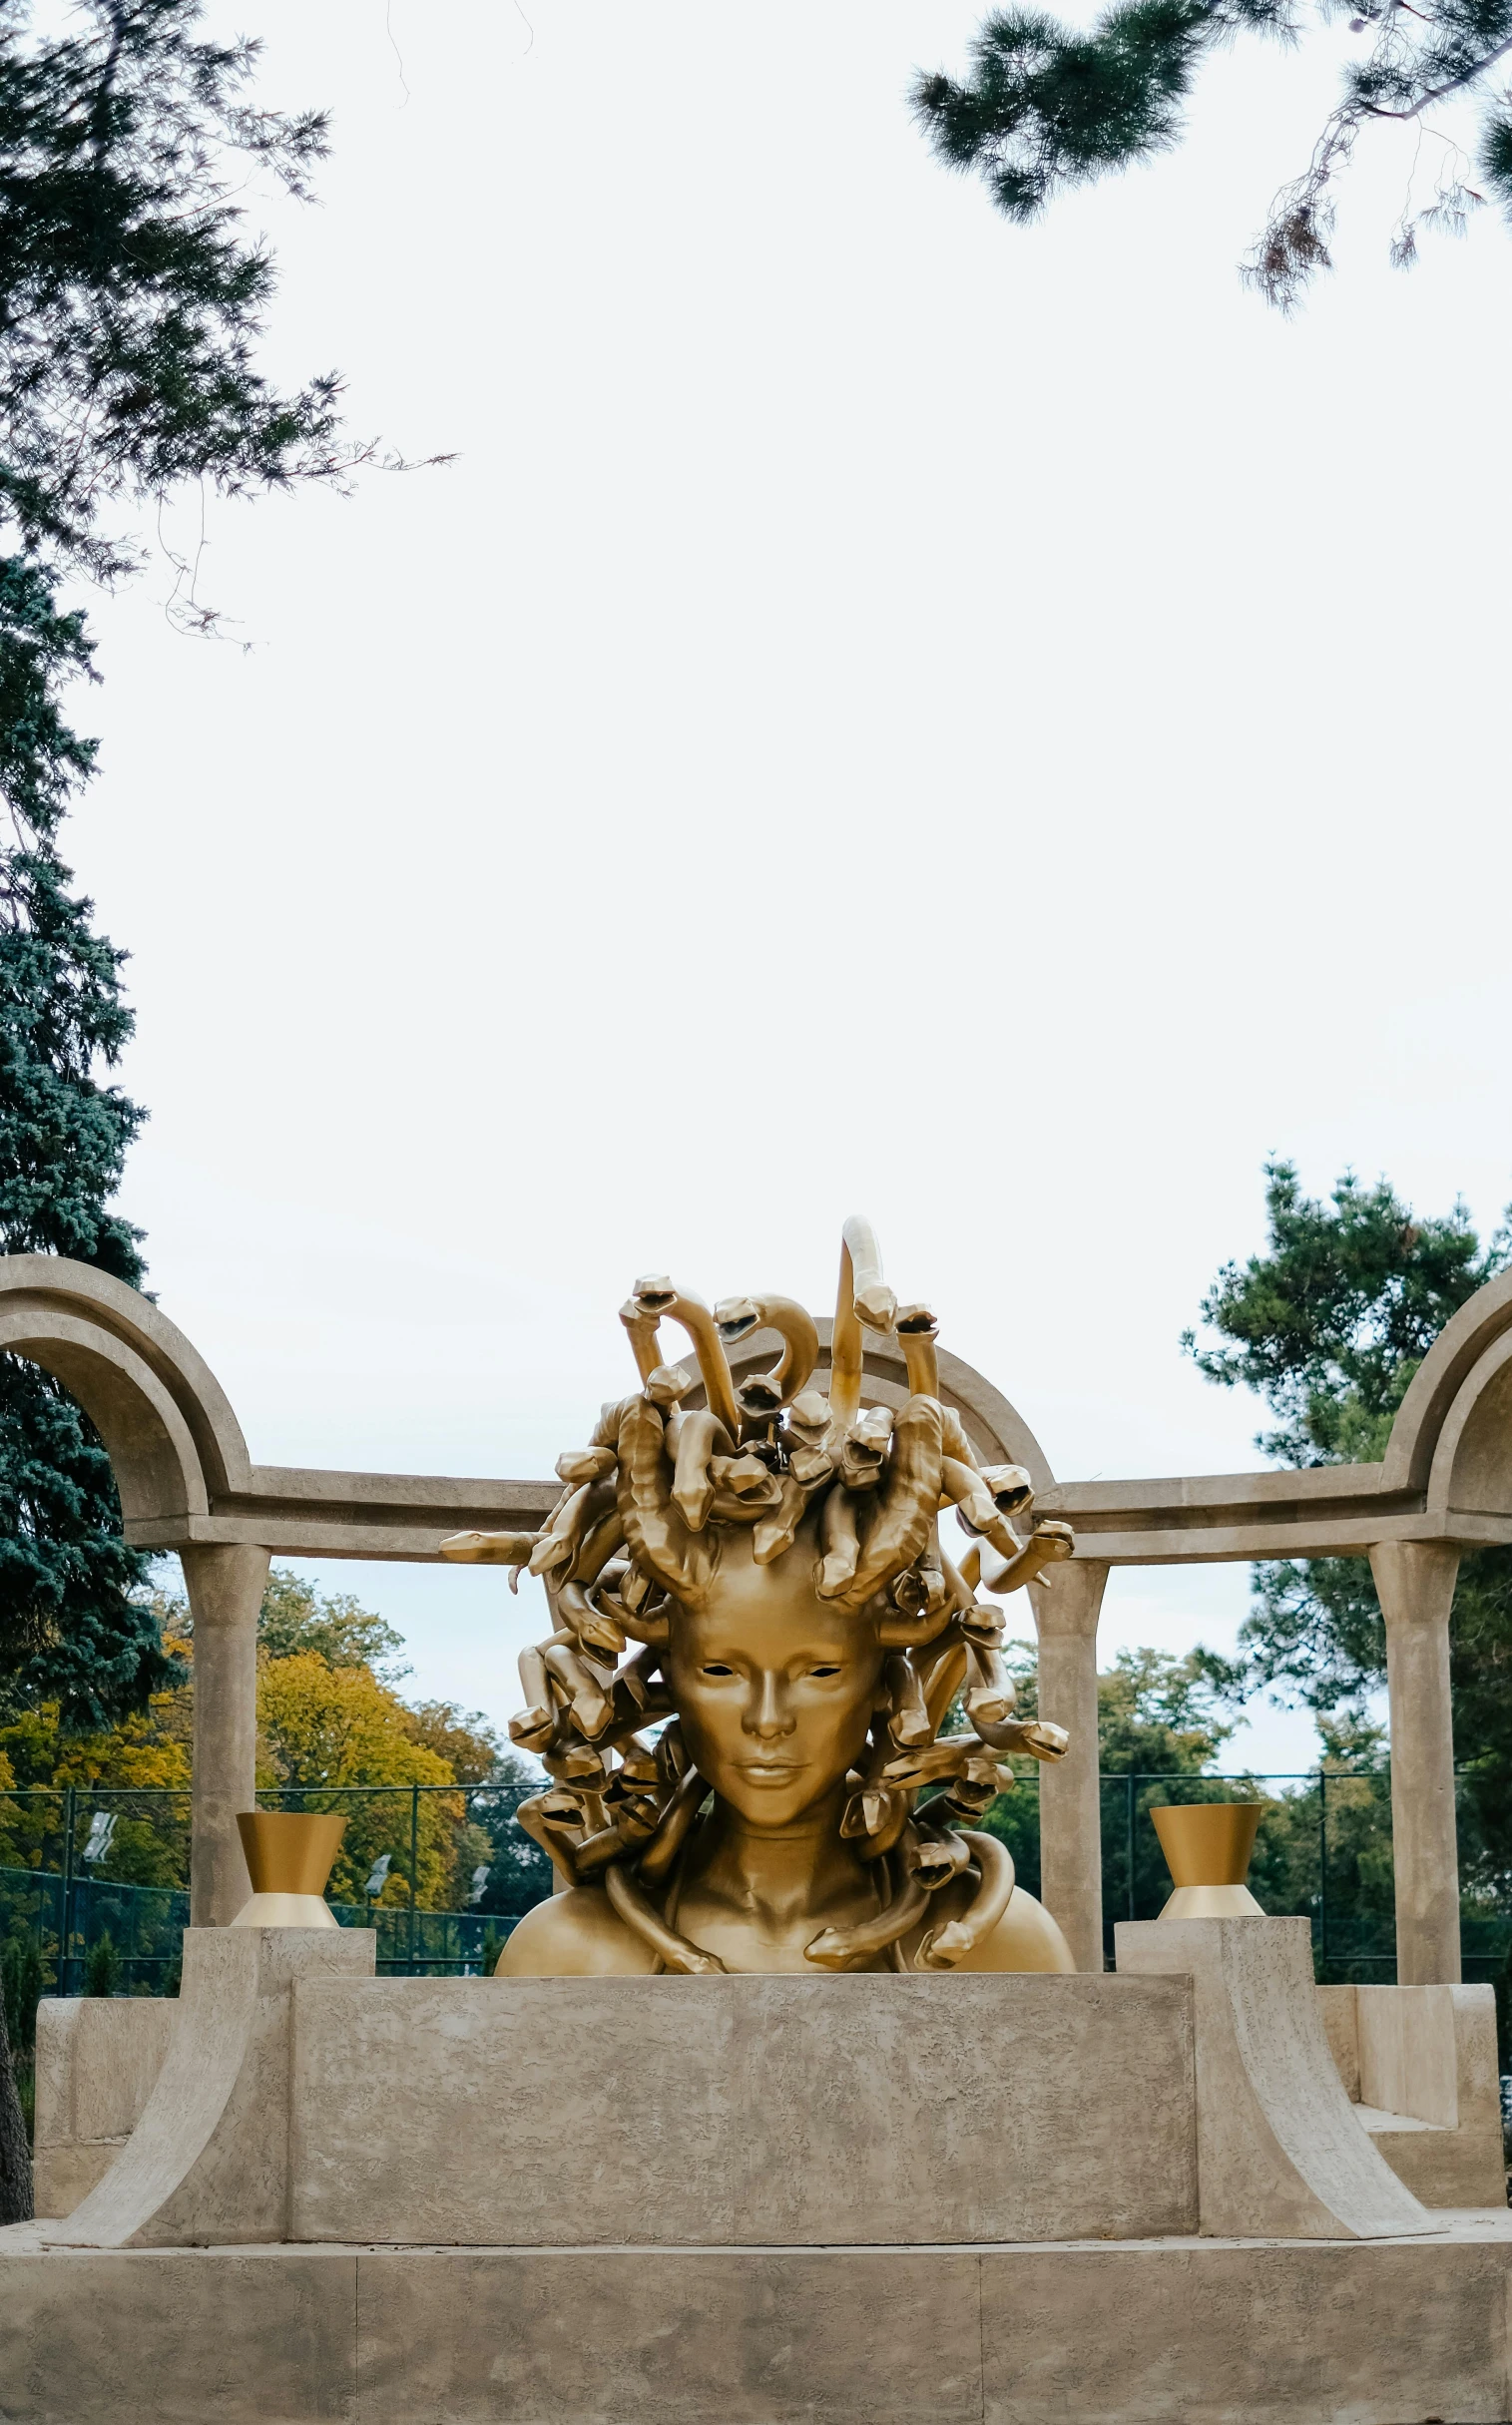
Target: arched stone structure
1452	1437
174	1447
174	1442
1451	1444
1445	1483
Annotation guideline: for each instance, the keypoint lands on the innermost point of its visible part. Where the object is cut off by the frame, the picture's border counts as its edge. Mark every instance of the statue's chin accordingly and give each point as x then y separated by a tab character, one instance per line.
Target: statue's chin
770	1800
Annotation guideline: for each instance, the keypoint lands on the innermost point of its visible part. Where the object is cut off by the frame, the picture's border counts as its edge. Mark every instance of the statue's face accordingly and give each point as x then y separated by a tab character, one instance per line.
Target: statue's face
774	1688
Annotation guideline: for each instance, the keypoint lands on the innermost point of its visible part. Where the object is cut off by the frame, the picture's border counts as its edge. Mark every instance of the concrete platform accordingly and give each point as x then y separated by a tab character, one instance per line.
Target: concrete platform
1141	2332
795	2112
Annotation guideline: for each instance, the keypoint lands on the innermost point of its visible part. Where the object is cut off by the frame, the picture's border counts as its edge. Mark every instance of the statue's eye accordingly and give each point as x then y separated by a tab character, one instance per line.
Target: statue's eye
831	1671
715	1669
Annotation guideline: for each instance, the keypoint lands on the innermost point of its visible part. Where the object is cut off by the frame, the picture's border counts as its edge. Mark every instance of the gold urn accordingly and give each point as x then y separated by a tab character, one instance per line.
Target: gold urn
1208	1848
288	1859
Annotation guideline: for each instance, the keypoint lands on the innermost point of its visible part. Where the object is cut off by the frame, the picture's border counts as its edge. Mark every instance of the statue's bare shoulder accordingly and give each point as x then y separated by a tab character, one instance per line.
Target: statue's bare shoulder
577	1935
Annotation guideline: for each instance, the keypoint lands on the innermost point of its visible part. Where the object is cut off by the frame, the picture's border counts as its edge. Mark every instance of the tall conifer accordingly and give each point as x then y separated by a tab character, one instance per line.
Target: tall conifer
131	296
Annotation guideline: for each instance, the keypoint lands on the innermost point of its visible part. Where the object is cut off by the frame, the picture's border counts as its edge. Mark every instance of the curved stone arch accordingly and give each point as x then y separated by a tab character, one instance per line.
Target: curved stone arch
169	1430
996	1429
1453	1428
1471	1473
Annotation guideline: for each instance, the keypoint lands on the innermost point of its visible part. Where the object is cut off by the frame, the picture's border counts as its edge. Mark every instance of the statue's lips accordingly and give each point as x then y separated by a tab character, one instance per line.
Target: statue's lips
770	1771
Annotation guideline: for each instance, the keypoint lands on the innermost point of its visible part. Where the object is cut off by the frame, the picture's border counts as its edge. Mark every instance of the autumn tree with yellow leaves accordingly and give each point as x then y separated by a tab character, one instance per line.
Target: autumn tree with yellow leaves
330	1718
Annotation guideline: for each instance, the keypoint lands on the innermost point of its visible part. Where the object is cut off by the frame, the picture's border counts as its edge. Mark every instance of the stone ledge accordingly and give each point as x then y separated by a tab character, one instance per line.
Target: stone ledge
1215	2332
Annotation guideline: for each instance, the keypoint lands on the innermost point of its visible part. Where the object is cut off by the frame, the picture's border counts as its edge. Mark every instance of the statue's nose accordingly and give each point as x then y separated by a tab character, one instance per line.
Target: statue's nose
766	1716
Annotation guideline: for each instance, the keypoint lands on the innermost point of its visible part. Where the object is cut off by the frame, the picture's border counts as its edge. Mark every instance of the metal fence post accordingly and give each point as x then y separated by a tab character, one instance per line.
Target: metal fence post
1129	1834
1322	1859
414	1855
65	1928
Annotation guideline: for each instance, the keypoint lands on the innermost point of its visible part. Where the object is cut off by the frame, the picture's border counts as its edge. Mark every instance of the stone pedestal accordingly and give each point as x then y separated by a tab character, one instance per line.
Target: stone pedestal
859	2201
1279	2148
207	2164
717	2111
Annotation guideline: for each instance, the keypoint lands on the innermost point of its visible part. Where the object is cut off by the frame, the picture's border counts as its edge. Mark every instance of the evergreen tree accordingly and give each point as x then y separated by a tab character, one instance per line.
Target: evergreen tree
1328	1325
73	1623
130	301
1045	104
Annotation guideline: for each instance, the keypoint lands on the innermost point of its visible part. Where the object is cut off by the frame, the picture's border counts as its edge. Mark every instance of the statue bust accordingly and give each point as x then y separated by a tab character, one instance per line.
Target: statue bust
758	1636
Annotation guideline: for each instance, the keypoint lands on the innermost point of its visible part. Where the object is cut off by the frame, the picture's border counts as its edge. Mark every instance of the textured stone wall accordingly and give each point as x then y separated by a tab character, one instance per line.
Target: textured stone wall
702	2112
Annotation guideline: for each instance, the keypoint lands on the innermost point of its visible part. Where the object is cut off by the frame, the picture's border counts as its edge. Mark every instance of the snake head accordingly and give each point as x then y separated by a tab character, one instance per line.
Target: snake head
652	1295
863	1450
489	1549
876	1306
915	1322
1042	1740
758	1397
579	1465
1053	1540
669	1385
1008	1487
747	1476
808	1420
736	1317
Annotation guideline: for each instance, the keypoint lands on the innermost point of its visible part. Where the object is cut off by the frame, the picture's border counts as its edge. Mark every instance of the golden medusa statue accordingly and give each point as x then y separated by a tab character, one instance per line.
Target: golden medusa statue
757	1638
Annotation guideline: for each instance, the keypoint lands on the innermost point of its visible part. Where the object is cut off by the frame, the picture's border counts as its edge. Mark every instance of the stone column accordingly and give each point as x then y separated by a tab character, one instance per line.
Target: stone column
1414	1581
226	1587
1067	1599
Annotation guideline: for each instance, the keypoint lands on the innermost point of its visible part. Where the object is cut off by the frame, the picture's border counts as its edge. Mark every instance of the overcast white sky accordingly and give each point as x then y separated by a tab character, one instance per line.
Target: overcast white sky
888	711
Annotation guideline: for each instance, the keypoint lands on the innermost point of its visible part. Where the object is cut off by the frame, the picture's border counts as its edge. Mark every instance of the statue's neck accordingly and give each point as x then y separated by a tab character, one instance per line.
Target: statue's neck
777	1875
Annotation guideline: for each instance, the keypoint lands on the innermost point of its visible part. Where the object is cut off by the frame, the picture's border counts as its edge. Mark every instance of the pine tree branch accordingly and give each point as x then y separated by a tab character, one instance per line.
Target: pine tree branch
1441	92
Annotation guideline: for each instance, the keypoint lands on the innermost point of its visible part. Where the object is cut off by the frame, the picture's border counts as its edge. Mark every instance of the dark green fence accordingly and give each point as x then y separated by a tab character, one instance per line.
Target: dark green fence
1324	1851
67	1881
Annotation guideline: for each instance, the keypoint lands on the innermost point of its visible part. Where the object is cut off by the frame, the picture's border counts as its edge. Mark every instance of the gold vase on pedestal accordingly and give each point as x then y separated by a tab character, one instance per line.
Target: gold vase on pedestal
1208	1848
289	1855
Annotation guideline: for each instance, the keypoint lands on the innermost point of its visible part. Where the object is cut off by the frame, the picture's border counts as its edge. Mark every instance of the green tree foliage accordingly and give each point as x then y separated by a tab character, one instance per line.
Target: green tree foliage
1329	1324
131	299
102	1969
131	295
519	1873
333	1624
1158	1717
73	1627
1160	1725
1045	104
15	2155
1162	1722
21	1985
330	1718
142	1762
322	1729
1353	1805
